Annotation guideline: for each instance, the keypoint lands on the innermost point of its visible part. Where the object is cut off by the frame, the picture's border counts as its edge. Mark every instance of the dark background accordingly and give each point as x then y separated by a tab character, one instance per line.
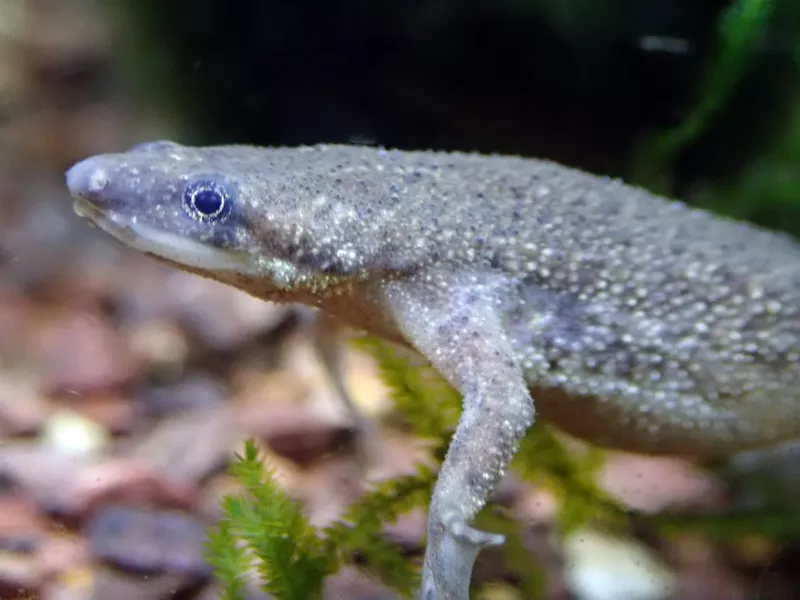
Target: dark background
592	84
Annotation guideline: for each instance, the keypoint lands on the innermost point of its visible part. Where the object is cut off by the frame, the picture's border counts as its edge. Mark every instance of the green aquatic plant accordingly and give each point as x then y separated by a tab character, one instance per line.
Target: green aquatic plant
264	529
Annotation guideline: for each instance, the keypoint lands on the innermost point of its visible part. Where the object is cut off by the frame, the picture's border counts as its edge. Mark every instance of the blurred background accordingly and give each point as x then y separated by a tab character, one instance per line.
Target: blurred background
125	385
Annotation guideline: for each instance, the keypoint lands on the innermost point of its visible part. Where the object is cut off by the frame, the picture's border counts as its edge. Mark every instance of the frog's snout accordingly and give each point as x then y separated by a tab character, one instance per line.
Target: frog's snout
88	179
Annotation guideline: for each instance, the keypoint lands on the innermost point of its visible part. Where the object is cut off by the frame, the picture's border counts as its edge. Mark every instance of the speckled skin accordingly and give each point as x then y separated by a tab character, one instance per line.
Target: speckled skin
626	319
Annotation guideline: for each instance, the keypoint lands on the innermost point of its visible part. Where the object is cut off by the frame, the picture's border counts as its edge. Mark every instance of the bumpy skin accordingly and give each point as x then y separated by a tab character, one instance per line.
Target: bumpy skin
629	320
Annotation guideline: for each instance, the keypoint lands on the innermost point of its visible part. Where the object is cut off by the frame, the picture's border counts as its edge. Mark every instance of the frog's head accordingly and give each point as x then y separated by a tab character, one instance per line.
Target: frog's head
286	218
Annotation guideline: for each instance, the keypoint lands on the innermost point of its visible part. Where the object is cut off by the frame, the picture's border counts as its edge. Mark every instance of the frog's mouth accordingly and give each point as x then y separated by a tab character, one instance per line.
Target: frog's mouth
163	244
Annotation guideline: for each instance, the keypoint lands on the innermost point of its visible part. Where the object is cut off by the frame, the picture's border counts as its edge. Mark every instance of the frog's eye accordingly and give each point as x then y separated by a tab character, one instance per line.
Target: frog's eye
207	200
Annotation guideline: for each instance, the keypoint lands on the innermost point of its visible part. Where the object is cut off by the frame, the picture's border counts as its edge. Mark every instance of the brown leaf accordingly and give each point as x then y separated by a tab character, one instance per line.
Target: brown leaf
80	352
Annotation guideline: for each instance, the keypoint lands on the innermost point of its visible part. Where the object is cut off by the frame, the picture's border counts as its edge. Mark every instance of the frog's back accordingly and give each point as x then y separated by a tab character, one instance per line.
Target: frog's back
645	324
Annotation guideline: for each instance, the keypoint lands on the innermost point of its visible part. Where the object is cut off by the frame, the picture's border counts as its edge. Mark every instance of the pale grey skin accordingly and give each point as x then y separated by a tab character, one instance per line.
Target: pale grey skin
628	320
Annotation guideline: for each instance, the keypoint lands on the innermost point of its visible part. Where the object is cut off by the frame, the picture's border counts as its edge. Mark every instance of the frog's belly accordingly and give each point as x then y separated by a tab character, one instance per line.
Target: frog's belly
618	426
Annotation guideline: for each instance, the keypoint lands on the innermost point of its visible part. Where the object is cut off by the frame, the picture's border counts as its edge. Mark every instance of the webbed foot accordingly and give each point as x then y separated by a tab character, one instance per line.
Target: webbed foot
450	556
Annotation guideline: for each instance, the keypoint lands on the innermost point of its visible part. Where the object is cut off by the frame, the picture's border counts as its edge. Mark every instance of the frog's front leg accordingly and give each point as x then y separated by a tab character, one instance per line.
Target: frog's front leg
456	325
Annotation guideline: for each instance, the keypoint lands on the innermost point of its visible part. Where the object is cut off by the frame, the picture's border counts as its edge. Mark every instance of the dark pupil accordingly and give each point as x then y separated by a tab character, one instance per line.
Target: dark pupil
208	202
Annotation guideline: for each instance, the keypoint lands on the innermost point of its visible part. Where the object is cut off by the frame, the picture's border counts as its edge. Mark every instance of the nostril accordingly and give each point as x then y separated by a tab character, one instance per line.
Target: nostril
86	178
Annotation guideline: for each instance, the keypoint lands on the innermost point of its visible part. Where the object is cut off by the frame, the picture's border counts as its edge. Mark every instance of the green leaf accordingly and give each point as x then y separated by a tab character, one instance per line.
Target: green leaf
229	560
740	27
287	549
420	394
360	531
545	460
